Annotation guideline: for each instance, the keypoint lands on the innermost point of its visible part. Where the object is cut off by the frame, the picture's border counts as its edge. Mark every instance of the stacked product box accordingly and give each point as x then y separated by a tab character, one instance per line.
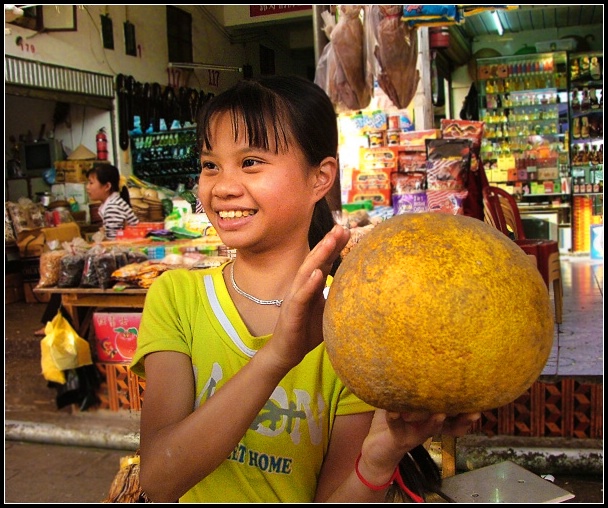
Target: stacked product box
116	336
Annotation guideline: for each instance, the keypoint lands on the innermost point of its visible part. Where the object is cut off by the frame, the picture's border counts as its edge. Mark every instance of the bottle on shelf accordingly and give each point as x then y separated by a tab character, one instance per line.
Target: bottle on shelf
593	156
574	102
585	101
575	72
584	64
584	127
586	153
594	68
593	100
576	128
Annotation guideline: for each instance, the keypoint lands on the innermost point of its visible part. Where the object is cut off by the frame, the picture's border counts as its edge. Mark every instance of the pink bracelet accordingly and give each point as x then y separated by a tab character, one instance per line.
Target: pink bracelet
396	477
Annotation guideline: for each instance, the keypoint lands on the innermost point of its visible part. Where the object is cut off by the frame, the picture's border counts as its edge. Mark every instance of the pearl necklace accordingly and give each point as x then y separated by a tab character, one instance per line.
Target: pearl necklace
278	303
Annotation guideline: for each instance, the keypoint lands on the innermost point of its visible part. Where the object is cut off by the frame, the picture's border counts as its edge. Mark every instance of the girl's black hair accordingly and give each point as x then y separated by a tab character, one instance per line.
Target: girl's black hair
298	109
108	173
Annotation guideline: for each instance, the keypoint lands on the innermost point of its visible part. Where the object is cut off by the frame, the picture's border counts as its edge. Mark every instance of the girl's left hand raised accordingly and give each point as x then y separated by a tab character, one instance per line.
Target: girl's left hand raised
300	325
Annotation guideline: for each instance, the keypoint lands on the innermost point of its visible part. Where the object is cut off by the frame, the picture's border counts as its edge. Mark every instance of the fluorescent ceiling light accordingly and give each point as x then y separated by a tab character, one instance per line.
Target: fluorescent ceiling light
497	23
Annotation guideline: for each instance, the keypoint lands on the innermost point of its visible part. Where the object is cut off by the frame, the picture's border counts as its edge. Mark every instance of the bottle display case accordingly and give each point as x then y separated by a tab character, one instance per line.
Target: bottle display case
525	150
166	158
586	145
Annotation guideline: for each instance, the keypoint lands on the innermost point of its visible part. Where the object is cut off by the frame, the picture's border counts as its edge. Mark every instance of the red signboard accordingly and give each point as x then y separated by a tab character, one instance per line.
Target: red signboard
267	10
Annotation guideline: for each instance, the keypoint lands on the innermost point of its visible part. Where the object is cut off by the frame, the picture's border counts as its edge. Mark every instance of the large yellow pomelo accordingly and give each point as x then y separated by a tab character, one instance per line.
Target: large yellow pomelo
439	313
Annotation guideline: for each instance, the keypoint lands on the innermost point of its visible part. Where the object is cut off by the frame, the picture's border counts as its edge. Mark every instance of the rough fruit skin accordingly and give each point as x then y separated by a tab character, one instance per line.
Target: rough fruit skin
440	313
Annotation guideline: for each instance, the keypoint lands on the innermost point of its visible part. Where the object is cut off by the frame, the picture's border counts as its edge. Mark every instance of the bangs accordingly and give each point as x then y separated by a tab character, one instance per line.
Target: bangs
258	116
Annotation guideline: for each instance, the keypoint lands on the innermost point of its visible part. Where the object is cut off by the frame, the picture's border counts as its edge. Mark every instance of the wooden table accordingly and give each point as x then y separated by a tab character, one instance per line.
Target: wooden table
121	388
72	298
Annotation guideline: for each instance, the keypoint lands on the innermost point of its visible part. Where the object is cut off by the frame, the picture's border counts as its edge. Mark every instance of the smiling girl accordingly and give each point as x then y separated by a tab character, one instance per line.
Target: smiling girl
241	401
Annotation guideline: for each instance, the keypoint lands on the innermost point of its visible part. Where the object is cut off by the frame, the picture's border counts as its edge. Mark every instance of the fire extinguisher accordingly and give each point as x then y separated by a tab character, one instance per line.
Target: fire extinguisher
102	145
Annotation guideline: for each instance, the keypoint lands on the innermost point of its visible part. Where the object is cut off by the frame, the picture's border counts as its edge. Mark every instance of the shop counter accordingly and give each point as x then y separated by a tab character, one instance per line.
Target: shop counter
72	298
120	388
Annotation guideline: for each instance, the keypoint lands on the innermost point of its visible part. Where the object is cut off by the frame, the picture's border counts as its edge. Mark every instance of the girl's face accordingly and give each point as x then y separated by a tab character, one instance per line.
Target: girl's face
96	190
258	199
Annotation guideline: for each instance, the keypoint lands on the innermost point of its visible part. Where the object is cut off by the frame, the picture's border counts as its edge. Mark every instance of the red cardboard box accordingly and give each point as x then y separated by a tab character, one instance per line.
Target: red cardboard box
116	335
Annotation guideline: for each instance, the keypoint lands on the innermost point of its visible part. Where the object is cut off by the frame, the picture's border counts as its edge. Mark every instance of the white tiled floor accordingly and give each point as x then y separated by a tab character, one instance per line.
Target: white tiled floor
578	349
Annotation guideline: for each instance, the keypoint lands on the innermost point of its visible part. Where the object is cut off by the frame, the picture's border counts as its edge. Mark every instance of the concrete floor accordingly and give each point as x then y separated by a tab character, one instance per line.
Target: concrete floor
57	456
47	473
46	460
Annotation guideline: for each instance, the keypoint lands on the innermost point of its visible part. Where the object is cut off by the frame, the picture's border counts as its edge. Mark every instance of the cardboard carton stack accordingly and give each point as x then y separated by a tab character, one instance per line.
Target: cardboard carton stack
74	168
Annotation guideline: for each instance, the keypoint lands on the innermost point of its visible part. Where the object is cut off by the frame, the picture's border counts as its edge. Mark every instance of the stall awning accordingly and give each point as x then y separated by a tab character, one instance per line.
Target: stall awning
37	79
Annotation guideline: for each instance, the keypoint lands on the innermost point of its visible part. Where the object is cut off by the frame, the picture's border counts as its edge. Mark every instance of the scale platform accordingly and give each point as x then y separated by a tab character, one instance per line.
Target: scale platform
505	482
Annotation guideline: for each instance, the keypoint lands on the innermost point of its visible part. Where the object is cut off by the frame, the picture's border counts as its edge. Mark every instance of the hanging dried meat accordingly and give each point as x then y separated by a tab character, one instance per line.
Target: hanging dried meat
341	69
396	52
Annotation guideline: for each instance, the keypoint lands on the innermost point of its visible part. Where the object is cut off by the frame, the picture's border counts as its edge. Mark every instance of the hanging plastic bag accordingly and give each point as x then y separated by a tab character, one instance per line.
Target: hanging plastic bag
62	349
125	486
80	388
50	176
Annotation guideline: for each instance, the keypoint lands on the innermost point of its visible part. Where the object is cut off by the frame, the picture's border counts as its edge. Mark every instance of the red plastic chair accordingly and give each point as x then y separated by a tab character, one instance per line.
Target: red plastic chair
501	211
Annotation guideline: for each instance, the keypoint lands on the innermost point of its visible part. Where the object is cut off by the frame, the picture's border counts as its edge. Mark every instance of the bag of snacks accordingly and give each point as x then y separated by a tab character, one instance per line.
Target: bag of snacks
50	268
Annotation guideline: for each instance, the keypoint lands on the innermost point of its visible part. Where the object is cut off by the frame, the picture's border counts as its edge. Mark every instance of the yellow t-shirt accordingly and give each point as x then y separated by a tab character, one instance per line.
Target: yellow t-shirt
280	456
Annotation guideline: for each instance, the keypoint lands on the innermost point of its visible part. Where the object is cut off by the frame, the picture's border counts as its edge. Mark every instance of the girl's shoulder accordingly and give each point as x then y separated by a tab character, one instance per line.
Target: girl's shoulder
114	200
185	289
183	279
